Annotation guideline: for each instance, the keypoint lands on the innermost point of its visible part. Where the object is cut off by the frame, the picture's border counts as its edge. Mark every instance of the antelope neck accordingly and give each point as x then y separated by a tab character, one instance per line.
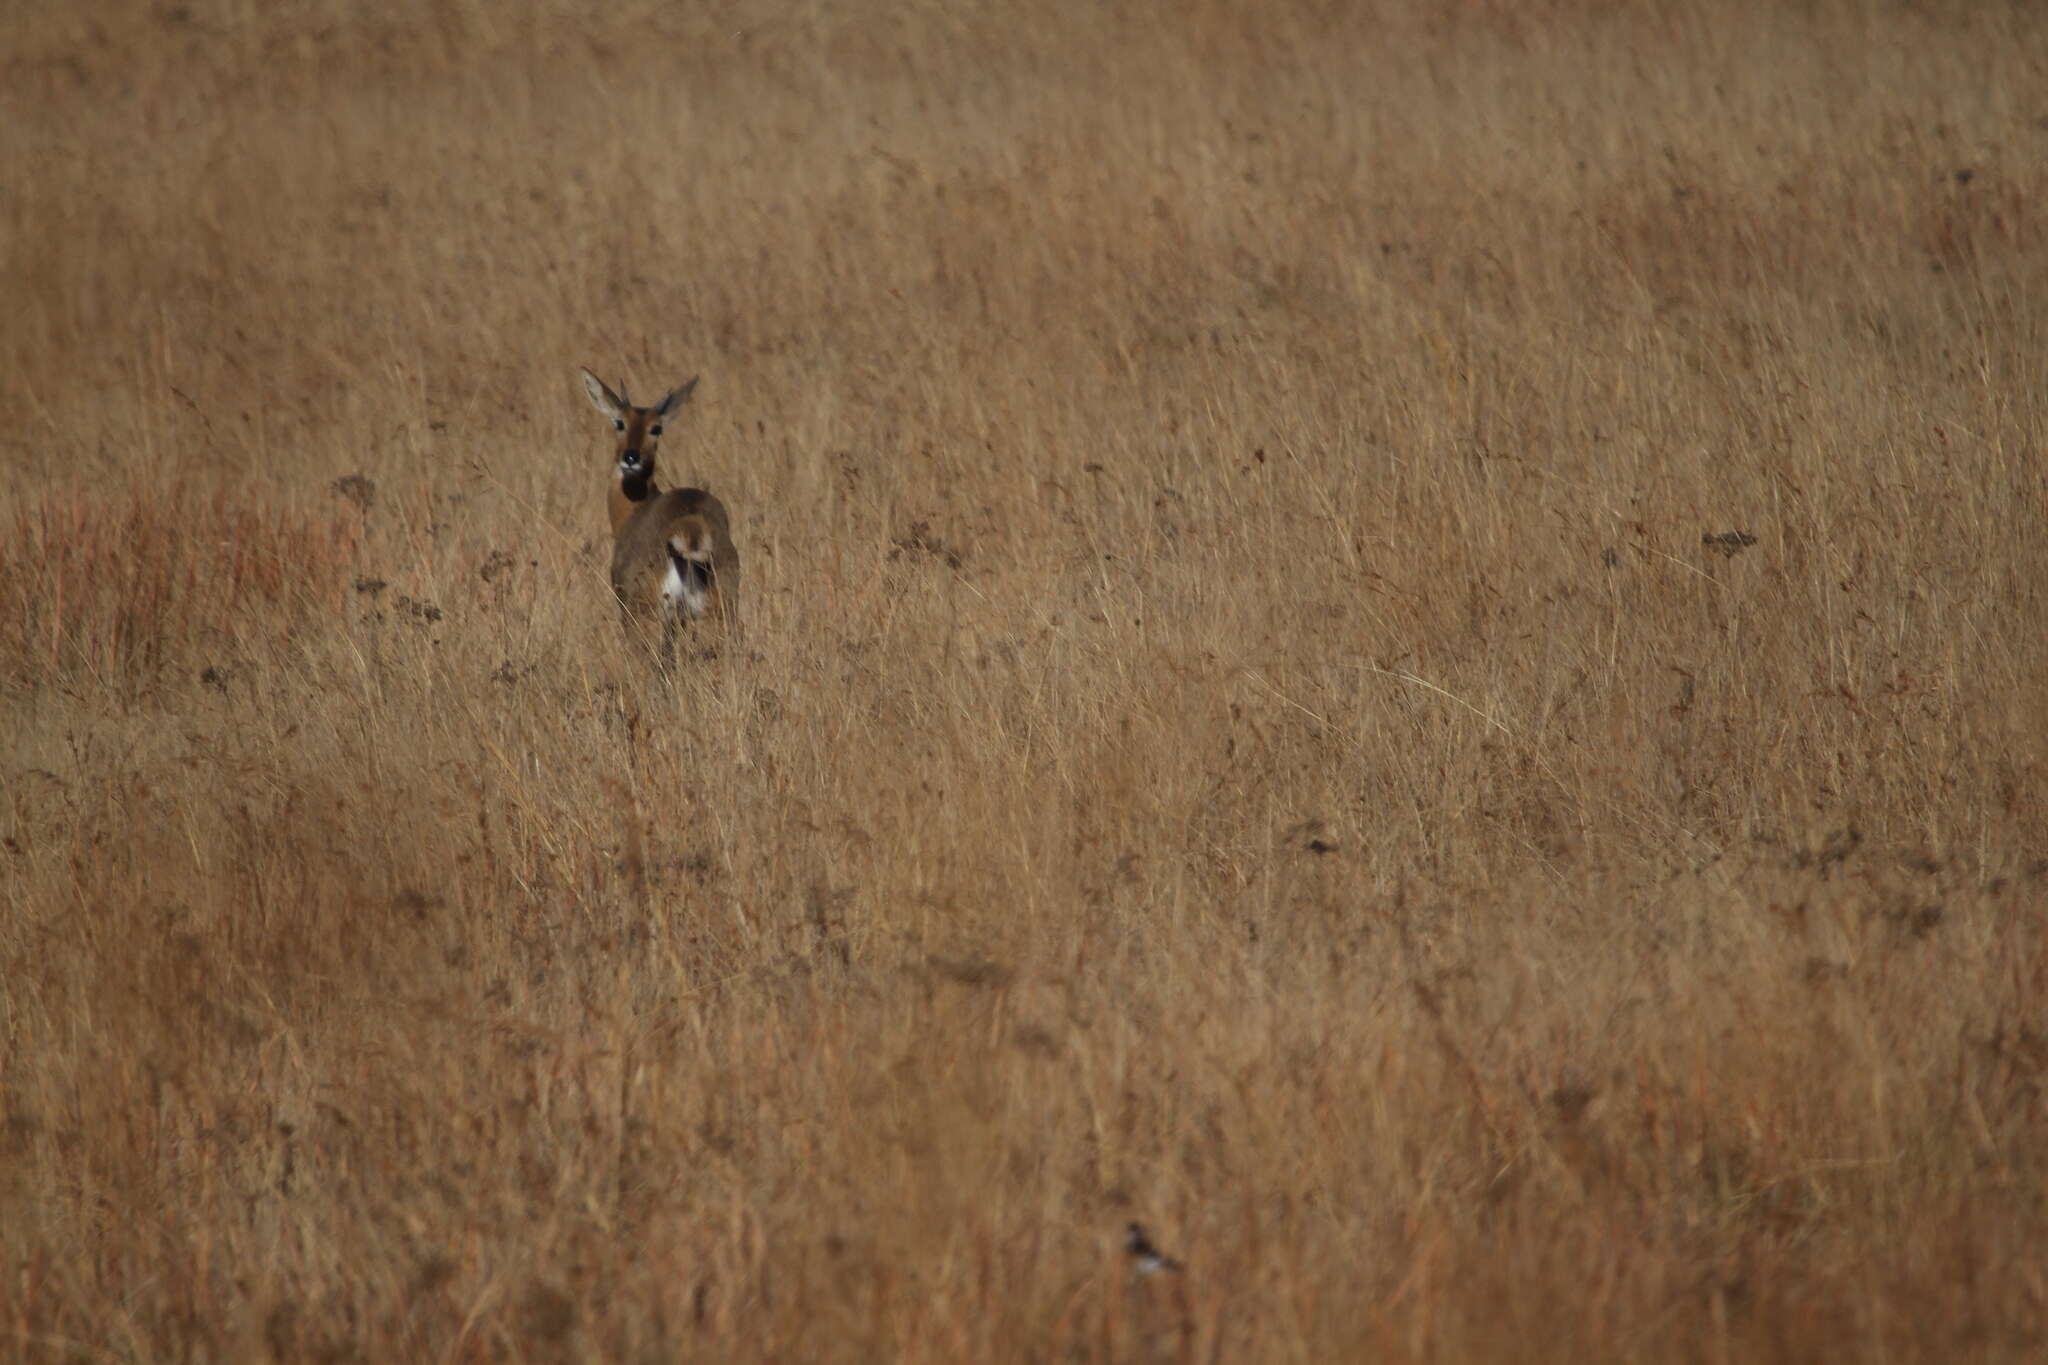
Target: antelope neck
627	495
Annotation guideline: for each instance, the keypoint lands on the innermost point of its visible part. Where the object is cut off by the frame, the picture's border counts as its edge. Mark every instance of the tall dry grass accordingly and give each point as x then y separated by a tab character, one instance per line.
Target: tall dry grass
1404	641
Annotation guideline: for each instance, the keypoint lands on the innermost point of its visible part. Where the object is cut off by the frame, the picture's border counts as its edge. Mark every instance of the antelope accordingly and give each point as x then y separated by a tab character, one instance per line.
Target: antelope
673	562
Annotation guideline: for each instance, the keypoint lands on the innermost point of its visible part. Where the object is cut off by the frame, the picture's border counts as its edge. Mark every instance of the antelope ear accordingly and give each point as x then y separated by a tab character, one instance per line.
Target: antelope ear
676	397
612	405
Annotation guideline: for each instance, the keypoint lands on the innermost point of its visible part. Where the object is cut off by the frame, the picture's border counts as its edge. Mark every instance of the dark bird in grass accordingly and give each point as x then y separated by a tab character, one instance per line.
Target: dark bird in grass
1149	1259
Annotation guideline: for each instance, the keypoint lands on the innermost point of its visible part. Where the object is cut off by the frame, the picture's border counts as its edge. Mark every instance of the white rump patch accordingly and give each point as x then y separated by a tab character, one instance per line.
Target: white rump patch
682	593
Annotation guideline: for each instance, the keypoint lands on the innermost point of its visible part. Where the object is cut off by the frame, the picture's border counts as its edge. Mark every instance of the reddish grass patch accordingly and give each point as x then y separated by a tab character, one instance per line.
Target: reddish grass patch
114	587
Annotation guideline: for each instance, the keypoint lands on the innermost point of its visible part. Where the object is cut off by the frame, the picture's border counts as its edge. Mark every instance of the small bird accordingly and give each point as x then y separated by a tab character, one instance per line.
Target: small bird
1150	1259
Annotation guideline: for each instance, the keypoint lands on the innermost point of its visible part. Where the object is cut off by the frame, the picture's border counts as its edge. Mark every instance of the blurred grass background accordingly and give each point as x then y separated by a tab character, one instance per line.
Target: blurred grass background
1403	640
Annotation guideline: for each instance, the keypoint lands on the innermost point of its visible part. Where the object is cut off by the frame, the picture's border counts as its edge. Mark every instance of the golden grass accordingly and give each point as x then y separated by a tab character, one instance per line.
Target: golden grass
1405	641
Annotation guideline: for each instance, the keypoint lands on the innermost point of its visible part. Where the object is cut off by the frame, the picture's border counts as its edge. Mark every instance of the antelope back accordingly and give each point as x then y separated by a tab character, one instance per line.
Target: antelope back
674	558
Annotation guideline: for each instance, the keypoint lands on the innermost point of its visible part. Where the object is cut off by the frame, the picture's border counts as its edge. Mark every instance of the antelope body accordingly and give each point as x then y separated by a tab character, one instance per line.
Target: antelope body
673	561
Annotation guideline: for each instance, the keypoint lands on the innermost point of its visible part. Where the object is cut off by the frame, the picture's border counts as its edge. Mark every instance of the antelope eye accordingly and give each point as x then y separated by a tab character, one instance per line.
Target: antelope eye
654	430
619	422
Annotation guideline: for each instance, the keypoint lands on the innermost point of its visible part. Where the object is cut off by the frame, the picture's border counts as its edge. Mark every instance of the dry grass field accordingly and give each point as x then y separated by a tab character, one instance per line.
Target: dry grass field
1403	640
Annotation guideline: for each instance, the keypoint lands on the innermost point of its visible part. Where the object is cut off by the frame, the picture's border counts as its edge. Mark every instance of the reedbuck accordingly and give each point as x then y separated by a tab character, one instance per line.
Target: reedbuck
672	555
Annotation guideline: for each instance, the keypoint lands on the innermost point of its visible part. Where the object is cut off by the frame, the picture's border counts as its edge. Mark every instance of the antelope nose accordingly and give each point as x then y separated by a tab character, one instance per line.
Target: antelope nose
629	456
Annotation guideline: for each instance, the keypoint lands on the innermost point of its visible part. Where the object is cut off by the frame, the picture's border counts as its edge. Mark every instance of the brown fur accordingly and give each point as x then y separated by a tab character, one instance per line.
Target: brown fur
640	559
648	523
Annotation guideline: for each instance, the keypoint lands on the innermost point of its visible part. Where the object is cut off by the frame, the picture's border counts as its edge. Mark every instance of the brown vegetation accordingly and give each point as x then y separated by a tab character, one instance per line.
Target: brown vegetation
1405	641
